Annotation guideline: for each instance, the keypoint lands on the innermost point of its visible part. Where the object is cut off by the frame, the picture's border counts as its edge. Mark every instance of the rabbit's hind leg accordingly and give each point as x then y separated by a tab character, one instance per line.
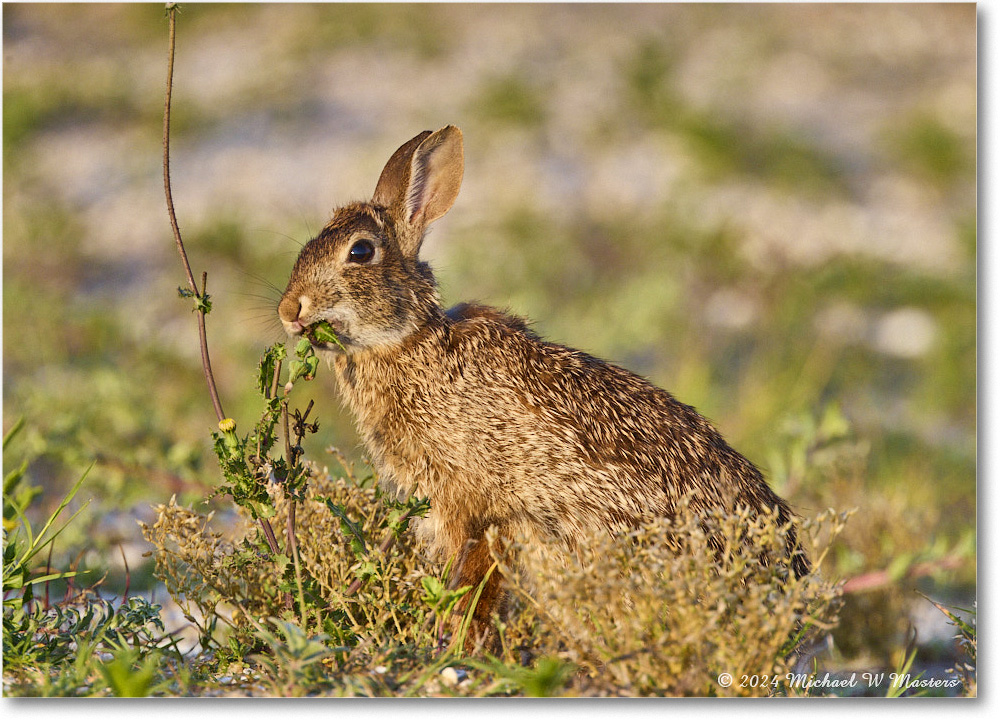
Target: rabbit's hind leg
474	566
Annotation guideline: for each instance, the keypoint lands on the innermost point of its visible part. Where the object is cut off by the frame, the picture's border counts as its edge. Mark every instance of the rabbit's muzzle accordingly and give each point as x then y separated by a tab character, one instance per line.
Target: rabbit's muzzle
299	319
294	314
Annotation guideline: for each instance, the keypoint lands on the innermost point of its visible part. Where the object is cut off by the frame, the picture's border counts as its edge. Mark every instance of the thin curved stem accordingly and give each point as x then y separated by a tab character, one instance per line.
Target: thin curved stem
199	294
206	362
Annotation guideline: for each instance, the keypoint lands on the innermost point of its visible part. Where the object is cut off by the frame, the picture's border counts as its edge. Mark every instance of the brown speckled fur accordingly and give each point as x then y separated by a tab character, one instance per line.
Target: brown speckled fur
471	409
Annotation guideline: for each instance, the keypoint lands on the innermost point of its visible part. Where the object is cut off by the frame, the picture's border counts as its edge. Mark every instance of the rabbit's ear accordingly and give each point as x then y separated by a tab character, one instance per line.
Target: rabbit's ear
395	177
436	176
420	191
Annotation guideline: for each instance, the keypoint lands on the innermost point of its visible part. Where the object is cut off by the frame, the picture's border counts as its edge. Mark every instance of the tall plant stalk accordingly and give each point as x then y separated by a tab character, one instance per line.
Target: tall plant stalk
203	303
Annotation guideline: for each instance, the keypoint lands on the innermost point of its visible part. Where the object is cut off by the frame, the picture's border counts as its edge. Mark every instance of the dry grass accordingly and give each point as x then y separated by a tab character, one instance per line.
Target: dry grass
658	611
663	611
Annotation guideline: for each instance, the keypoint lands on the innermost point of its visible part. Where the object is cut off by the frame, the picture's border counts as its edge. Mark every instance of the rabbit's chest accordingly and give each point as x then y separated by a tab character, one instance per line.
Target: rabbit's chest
416	429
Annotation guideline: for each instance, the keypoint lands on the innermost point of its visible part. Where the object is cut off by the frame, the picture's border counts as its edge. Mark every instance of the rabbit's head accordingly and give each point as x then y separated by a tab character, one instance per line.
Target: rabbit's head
361	274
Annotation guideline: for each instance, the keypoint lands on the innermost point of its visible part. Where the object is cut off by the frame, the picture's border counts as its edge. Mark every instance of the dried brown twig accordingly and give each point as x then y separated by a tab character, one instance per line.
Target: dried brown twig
202	304
201	296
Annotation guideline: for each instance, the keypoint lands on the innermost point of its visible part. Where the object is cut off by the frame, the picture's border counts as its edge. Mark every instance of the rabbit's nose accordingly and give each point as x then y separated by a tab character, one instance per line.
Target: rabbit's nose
293	311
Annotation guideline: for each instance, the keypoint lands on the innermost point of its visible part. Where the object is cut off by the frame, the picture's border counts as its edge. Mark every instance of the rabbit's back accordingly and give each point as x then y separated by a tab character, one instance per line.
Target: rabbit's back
501	428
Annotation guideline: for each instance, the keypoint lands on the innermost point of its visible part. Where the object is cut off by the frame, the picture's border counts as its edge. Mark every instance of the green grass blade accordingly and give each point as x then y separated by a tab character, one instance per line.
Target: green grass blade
15	429
32	552
27	525
35	545
52	577
65	502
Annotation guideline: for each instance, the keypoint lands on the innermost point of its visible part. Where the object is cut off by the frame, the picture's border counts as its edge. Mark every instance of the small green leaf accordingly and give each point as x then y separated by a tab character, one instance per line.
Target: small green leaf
347	526
366	570
322	332
268	362
202	303
261	510
433	588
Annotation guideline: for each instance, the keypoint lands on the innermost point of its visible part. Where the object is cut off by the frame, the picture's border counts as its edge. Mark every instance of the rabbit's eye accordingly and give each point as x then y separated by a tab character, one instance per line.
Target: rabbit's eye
361	252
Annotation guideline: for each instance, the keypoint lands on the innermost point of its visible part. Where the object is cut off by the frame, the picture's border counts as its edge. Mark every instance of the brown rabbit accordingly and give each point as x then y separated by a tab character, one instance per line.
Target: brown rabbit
471	409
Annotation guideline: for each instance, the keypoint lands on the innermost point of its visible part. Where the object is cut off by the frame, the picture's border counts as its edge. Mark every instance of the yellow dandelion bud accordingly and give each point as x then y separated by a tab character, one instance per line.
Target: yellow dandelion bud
227	426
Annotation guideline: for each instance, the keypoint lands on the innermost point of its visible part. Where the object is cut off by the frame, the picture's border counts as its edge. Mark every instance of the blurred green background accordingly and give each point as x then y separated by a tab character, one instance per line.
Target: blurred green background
768	210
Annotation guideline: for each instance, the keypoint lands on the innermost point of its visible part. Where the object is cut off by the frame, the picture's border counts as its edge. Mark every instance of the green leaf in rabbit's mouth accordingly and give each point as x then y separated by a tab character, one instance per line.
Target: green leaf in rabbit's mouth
322	333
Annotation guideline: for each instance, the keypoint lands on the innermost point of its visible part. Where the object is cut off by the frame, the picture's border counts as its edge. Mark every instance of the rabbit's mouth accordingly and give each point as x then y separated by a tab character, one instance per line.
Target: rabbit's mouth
328	334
